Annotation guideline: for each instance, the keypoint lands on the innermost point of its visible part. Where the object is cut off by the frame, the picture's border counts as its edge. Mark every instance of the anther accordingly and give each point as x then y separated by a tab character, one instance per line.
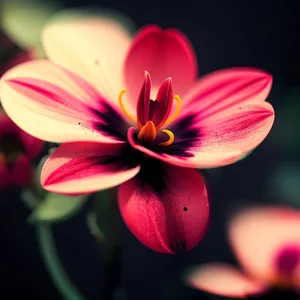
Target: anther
177	111
171	138
129	116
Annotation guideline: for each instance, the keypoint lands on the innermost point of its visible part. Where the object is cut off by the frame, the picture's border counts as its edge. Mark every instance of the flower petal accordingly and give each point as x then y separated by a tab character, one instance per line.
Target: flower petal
165	207
84	167
202	144
266	241
163	53
56	105
221	90
222	279
94	48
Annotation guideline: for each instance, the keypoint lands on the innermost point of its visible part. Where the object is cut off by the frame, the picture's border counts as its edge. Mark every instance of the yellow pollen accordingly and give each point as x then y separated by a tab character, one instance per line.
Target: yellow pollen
129	116
171	138
177	111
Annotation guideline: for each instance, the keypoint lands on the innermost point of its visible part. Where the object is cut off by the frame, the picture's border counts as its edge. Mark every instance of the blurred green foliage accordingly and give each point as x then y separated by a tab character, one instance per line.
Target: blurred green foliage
23	20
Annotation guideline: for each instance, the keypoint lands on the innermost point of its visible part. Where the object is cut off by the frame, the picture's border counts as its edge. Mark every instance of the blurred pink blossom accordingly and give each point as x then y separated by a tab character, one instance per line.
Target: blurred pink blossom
17	149
266	242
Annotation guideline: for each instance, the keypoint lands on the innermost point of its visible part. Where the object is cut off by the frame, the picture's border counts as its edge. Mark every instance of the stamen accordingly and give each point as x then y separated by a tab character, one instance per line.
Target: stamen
177	111
129	116
171	138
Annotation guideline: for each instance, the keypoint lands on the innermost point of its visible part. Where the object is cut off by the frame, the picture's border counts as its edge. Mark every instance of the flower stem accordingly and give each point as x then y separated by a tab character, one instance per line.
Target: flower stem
53	265
112	274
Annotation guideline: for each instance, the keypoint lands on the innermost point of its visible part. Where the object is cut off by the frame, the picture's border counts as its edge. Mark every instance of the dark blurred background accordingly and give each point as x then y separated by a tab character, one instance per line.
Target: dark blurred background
263	34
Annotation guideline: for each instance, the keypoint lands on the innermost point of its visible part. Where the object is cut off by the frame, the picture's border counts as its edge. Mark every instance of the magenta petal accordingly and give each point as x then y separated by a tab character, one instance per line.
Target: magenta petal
163	53
168	212
161	108
201	143
143	104
86	167
220	91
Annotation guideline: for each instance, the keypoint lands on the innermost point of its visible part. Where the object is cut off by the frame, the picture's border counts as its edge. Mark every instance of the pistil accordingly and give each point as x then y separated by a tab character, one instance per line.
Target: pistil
152	115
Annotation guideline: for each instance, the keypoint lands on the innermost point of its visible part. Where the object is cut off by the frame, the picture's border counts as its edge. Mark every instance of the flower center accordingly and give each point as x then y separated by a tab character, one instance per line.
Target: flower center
152	115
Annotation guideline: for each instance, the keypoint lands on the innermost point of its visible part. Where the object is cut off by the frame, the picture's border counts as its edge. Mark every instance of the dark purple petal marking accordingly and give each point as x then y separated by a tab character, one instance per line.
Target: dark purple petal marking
287	260
186	137
110	122
125	160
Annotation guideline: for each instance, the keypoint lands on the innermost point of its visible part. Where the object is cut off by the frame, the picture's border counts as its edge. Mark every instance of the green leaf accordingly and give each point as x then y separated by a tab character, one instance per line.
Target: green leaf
77	14
23	20
55	208
28	198
92	225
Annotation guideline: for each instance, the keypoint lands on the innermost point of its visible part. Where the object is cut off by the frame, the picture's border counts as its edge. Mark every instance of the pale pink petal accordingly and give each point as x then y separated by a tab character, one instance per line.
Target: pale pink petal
267	243
223	280
94	48
84	167
55	105
165	207
202	144
21	172
219	91
163	53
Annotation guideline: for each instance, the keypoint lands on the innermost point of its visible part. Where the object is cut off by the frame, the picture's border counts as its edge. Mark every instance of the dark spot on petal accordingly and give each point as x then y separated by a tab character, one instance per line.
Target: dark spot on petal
287	260
97	62
185	209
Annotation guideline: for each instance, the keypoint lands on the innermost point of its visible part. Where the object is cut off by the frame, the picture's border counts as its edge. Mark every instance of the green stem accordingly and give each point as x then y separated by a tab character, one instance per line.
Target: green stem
53	265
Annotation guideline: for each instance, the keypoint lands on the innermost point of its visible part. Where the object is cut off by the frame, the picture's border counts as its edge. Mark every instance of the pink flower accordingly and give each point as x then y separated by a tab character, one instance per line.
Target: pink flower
149	147
266	242
17	149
